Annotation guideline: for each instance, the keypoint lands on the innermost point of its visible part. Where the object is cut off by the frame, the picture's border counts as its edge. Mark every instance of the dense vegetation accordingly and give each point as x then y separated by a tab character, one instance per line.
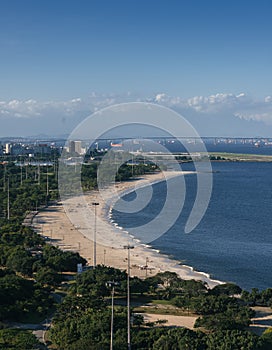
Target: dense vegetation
13	339
31	270
82	320
29	267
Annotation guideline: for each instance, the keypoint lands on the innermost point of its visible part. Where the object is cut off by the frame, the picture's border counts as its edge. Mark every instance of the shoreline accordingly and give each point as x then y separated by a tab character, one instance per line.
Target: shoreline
70	226
174	264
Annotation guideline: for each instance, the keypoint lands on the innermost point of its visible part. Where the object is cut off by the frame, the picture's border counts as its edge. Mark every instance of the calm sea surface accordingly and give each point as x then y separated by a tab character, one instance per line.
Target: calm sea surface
233	242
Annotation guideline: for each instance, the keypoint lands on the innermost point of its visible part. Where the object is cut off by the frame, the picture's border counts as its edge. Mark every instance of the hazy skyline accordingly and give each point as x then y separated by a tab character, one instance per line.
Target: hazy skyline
209	60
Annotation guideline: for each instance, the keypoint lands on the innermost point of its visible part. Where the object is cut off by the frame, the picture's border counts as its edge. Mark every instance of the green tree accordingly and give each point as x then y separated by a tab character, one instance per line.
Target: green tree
20	260
266	339
180	339
138	286
14	339
226	289
193	288
230	319
233	340
46	275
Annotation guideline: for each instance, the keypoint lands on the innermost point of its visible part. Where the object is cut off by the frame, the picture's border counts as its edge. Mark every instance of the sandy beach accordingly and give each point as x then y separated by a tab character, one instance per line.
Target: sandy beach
70	225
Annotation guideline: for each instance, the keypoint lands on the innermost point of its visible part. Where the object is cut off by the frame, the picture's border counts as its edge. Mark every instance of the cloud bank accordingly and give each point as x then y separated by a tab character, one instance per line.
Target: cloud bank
219	114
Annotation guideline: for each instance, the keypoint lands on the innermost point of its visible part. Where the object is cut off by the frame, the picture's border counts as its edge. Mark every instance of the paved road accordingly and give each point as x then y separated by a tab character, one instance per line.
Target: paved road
40	332
40	328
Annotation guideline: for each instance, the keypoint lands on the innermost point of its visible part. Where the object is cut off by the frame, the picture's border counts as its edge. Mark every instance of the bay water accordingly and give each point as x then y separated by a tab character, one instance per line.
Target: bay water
233	242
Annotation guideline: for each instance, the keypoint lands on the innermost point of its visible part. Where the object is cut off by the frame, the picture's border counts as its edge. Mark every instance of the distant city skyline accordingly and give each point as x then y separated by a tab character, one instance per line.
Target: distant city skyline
209	60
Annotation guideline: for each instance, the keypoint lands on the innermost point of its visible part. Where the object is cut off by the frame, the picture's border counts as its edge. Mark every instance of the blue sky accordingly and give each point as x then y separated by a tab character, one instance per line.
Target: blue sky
66	49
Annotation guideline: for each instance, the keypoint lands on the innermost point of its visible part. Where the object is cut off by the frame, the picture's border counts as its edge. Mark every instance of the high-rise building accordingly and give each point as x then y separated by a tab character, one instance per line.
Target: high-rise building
78	147
75	147
8	148
72	147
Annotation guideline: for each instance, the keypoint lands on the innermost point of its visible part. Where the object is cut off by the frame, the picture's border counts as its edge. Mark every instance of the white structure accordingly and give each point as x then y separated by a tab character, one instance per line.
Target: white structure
8	148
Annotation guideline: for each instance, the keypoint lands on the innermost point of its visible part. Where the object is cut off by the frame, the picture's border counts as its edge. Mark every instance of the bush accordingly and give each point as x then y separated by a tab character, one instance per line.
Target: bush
14	339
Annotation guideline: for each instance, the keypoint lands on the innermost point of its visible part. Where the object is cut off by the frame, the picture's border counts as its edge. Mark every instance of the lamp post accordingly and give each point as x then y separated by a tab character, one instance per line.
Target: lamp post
95	204
8	203
112	284
146	266
21	164
128	247
47	183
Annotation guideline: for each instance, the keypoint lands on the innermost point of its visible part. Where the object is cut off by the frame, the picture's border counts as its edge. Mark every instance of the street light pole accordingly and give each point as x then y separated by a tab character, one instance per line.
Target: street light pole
47	187
112	303
39	174
112	284
21	173
128	247
146	266
95	204
47	184
8	203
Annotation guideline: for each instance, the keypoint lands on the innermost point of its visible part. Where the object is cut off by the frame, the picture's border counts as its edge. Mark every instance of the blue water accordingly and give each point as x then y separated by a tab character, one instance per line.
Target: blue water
211	146
233	242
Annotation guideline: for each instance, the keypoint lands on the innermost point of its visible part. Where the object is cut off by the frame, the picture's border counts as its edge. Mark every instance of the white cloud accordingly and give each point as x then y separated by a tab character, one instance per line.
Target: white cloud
66	114
268	99
240	105
160	97
222	104
218	102
76	100
20	109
